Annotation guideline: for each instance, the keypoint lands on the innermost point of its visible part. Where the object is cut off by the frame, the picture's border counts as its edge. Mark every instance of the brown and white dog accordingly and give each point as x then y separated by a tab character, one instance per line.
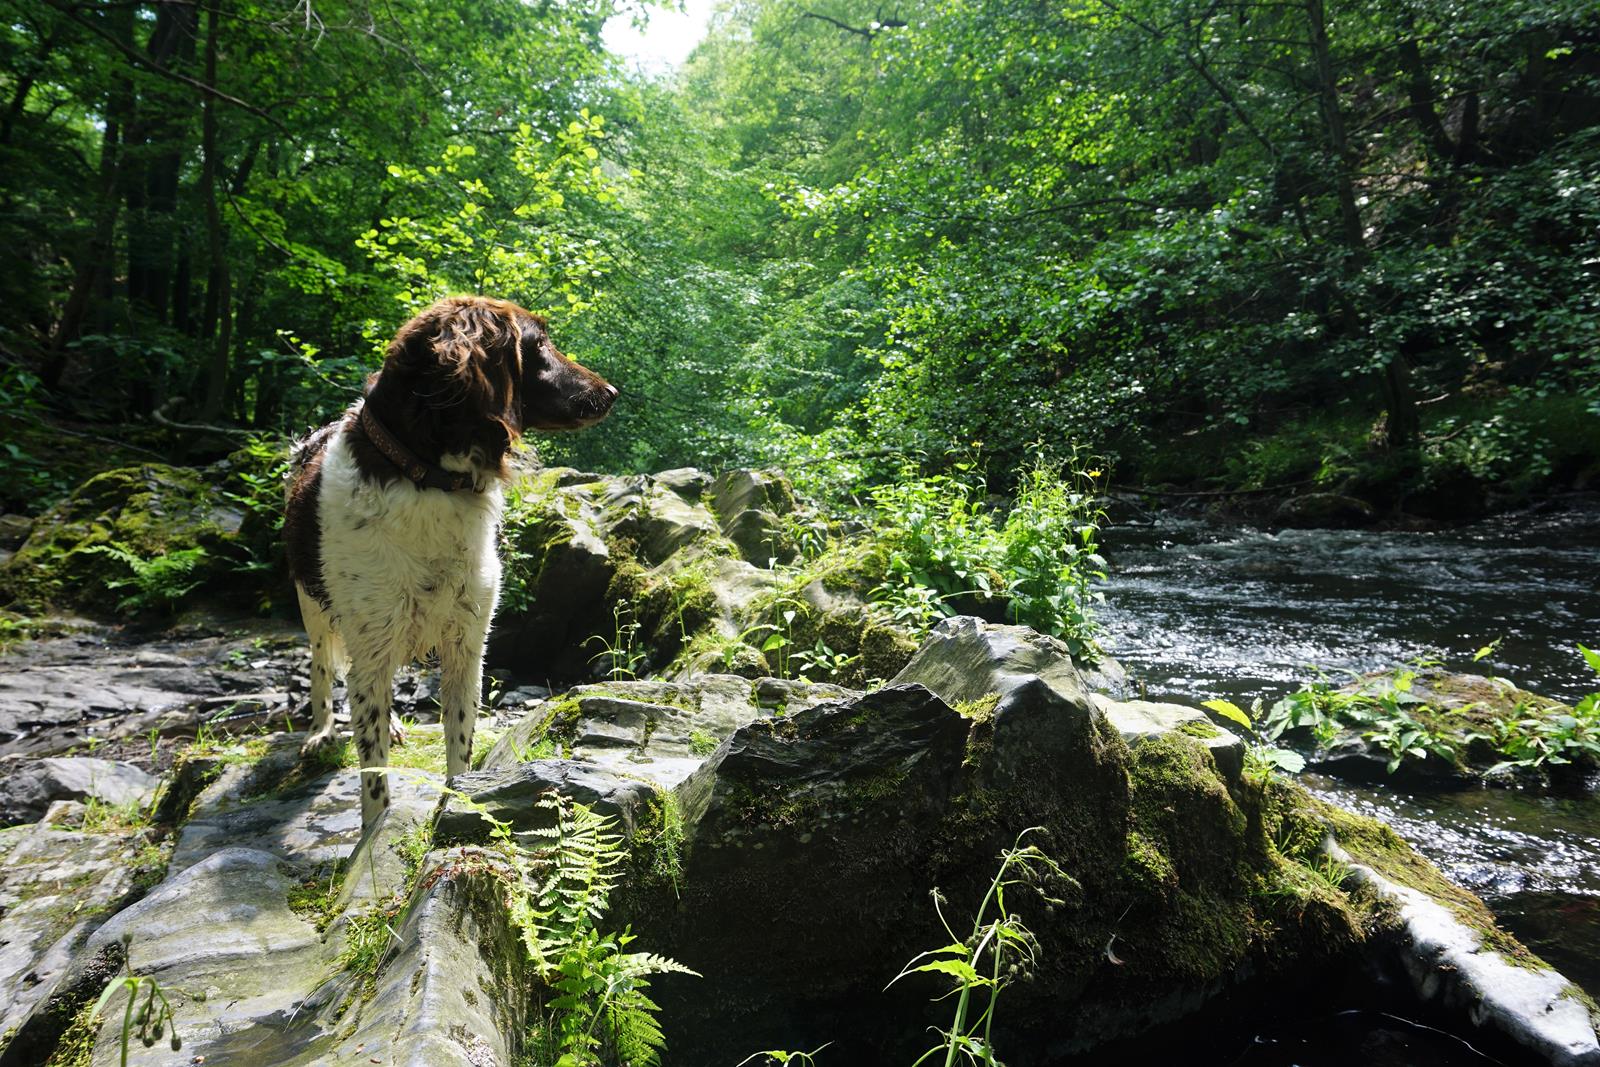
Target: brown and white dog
393	511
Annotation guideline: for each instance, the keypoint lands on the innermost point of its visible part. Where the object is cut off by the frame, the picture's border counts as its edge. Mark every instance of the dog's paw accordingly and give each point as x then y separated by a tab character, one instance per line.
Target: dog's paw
318	743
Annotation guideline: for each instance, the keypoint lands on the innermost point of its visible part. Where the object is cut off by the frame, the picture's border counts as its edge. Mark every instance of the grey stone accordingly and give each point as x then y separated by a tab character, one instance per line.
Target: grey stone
1446	961
237	965
965	658
1137	720
310	824
512	795
654	517
735	492
56	887
455	991
29	786
688	482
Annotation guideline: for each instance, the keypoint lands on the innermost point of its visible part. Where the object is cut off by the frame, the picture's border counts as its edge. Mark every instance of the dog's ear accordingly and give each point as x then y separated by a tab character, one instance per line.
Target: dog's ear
464	351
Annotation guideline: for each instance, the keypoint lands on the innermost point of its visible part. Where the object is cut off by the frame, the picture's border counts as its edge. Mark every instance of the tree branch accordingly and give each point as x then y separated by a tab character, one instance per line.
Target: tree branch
151	65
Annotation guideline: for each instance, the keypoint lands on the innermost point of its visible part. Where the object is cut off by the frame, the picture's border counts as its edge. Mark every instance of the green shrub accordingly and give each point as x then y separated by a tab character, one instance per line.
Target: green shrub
946	548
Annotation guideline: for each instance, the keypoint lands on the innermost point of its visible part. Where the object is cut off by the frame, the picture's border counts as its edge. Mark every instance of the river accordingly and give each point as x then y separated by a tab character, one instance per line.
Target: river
1196	609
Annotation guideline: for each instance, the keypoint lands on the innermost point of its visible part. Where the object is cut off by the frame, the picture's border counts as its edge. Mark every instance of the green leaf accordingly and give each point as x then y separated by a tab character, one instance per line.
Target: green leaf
1230	711
1592	657
956	969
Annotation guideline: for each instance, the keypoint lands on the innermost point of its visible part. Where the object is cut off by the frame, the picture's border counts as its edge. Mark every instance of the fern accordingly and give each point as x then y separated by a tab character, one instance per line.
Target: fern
160	581
594	1008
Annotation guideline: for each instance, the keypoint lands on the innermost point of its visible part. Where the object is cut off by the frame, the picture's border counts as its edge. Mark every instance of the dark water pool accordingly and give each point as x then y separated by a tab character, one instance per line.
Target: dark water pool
1199	610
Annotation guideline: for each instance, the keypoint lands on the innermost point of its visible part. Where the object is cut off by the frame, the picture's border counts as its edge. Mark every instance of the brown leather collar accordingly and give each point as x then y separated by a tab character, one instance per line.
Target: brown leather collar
423	475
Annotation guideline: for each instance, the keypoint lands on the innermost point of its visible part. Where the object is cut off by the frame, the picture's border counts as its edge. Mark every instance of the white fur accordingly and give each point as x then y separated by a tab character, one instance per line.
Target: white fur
408	571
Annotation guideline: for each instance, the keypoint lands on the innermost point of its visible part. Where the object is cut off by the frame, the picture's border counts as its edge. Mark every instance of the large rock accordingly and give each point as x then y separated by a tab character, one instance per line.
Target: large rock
28	787
56	888
1184	877
73	551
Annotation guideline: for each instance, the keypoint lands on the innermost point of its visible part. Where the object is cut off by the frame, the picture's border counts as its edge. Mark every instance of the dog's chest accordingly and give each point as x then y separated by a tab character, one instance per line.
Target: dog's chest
417	559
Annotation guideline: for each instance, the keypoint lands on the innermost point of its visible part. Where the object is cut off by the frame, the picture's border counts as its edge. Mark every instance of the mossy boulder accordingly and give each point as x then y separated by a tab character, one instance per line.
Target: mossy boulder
128	539
1472	729
624	576
806	844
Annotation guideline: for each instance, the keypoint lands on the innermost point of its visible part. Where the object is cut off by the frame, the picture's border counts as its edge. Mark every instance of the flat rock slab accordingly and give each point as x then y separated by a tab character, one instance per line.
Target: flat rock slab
29	786
657	731
56	692
56	887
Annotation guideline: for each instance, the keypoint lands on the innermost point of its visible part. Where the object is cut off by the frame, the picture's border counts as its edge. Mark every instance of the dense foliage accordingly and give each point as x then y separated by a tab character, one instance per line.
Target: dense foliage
1250	243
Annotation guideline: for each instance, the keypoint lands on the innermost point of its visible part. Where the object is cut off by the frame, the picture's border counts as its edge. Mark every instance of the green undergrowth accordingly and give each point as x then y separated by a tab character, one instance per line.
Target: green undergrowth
1465	724
1515	444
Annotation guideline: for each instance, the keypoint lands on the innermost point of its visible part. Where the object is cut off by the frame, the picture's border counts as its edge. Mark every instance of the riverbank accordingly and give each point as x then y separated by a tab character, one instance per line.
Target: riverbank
1476	456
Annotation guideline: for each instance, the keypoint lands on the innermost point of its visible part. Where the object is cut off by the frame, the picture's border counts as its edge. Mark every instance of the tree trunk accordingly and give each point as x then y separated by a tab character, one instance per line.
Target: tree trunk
1399	401
219	285
158	136
96	255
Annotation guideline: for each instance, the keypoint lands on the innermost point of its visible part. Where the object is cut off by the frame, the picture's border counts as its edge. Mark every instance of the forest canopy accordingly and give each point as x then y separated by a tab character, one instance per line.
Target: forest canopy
1237	243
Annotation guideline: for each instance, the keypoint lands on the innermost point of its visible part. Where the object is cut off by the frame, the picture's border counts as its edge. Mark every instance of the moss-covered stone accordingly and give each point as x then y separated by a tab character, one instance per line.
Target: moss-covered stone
155	532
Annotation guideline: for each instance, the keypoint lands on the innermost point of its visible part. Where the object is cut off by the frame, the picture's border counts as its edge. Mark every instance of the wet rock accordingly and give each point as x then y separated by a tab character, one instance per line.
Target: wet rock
1448	962
1464	712
1323	511
29	786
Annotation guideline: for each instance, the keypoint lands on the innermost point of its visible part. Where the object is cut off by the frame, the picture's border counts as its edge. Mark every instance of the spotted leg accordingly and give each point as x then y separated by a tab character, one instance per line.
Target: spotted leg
460	687
371	697
326	654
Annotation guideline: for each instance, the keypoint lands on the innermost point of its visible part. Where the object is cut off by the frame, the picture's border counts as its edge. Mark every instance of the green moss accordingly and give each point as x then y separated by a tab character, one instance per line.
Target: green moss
314	897
1200	728
151	512
1147	868
1375	845
76	1047
657	842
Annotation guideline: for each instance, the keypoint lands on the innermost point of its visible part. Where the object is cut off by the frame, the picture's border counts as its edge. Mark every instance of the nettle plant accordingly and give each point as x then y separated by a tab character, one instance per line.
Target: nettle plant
1041	558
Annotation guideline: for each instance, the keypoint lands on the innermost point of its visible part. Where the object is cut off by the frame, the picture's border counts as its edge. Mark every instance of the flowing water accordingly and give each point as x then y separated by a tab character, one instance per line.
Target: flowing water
1198	610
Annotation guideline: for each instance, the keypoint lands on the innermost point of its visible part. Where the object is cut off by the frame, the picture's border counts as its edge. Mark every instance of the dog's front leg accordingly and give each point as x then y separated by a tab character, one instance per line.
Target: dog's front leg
460	688
371	694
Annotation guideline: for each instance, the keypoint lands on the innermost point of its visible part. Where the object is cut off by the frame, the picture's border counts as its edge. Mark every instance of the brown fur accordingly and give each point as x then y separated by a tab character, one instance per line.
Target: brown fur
301	527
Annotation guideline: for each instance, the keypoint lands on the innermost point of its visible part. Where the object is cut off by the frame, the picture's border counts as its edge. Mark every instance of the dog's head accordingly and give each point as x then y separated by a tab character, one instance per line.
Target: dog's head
471	374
